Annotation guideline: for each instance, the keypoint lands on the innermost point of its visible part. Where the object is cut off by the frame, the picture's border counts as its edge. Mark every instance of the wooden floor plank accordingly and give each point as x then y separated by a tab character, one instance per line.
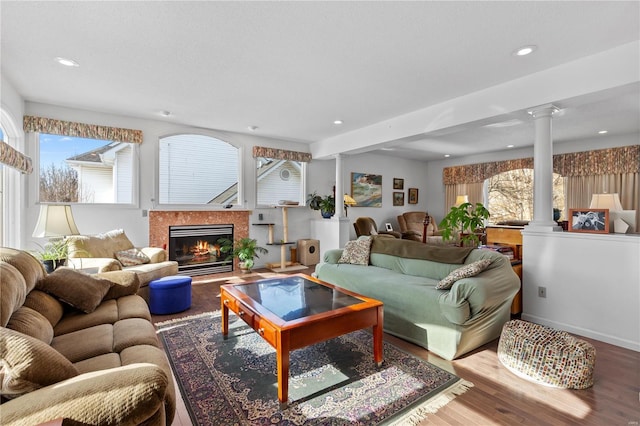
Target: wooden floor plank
498	397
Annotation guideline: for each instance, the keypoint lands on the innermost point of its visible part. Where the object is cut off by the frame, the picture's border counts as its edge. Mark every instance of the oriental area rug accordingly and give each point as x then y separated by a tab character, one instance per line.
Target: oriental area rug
233	381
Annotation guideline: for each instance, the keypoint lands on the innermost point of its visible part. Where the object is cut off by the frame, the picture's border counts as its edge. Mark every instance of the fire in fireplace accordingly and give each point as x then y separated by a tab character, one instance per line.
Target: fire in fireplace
196	248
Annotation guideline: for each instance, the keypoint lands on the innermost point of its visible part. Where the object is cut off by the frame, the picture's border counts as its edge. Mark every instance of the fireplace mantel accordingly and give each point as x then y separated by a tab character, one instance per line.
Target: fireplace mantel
160	220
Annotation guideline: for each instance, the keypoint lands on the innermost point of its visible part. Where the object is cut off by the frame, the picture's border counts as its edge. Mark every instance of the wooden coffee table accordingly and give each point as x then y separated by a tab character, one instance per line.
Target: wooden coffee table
297	311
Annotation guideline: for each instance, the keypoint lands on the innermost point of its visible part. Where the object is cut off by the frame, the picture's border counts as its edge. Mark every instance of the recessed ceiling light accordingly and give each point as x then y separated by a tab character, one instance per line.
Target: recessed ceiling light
602	132
165	113
252	128
510	146
337	121
525	50
447	155
67	62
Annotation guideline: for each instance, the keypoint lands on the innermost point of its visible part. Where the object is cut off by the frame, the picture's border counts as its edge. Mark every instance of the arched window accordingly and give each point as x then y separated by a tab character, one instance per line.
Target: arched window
197	169
510	195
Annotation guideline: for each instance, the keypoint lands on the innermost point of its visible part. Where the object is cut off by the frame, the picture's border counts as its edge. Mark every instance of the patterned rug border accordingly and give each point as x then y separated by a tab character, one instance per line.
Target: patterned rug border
412	415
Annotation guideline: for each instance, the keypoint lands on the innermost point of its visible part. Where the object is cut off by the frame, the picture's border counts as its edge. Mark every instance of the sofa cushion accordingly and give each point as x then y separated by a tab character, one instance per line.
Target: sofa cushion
131	257
356	252
14	291
102	245
470	270
78	289
29	364
123	283
86	343
45	304
32	323
30	267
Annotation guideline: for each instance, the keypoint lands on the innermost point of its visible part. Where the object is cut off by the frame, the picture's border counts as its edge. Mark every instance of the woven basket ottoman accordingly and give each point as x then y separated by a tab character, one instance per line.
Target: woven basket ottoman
546	356
168	295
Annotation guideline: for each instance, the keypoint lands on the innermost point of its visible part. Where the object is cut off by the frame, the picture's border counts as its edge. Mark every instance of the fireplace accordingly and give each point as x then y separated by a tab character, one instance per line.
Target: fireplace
196	248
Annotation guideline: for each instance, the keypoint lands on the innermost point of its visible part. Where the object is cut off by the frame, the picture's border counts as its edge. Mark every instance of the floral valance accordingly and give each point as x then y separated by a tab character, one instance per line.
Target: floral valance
80	130
13	158
281	154
587	163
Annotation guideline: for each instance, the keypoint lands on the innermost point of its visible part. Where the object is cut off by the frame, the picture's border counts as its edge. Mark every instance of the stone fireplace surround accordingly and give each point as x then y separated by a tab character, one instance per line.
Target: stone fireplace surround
160	220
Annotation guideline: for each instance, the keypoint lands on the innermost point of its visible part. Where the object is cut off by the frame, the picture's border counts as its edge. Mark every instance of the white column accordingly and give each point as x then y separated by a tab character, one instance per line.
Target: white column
543	171
339	187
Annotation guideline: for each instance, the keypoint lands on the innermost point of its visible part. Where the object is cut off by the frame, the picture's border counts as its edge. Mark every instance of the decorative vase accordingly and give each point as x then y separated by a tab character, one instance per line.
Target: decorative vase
244	267
326	214
52	265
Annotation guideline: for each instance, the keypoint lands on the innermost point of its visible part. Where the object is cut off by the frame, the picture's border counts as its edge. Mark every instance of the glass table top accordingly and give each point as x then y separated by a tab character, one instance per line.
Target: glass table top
295	297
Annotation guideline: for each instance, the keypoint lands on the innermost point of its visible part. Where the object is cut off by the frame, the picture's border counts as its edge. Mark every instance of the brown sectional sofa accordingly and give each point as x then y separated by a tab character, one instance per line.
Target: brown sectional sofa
103	366
100	252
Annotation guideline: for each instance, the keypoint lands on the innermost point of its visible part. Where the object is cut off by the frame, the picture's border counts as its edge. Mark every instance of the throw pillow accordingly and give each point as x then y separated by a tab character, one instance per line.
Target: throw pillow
28	364
131	257
80	290
356	252
466	271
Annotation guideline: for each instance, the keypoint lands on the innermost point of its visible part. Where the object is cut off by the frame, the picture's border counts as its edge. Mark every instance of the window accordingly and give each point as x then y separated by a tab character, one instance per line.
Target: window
196	169
279	180
511	195
80	170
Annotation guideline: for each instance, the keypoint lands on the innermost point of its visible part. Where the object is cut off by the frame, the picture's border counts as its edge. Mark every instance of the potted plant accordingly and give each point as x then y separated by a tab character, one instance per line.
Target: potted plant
245	249
463	222
326	204
53	254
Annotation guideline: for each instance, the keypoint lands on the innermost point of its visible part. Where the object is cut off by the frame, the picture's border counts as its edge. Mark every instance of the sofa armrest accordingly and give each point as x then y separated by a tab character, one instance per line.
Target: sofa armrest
104	264
332	256
155	254
124	395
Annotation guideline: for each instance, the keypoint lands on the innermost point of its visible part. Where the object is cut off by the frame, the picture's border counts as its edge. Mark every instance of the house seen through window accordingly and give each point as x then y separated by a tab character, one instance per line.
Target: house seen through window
510	195
197	169
279	180
80	170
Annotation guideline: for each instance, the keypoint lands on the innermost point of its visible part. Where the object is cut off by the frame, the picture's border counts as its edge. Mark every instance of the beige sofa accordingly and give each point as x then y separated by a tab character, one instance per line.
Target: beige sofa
103	366
105	252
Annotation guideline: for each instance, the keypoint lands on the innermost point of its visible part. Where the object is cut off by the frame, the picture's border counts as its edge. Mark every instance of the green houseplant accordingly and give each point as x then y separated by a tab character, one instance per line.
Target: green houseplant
464	221
53	254
245	249
326	204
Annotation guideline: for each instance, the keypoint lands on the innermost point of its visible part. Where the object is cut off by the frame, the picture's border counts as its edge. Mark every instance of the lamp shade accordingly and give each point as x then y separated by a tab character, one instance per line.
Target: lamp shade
55	221
349	201
461	199
606	201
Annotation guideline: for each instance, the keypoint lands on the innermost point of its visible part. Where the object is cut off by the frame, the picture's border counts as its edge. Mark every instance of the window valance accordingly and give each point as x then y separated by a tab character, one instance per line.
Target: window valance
281	154
13	158
586	163
81	130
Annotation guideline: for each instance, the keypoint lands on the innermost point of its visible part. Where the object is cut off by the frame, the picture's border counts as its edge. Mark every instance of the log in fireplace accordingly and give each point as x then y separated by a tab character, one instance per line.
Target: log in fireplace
196	248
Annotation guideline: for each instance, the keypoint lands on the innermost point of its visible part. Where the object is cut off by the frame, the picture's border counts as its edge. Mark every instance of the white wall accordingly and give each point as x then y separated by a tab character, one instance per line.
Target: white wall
93	219
592	283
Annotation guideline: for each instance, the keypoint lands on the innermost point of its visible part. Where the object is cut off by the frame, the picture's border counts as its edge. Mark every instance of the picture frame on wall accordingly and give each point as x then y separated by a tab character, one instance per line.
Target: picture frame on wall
398	198
388	227
413	196
398	183
366	189
594	221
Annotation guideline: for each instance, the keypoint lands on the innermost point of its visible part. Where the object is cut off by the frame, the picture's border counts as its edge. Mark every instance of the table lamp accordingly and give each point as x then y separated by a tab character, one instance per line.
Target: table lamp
348	201
461	199
55	221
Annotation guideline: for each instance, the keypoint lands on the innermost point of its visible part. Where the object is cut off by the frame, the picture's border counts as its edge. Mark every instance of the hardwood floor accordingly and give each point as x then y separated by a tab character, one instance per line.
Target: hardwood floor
498	396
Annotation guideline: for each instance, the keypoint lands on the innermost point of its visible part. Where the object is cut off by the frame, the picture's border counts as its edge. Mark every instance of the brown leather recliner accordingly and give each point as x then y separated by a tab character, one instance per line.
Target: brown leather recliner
412	226
367	226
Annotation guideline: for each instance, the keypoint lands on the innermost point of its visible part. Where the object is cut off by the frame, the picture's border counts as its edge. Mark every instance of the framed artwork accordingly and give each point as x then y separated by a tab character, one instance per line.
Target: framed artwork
398	183
366	189
595	221
413	195
398	198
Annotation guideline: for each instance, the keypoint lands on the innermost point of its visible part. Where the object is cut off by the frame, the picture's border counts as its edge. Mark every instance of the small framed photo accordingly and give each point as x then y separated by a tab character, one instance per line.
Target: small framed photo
398	183
388	227
398	198
595	221
413	195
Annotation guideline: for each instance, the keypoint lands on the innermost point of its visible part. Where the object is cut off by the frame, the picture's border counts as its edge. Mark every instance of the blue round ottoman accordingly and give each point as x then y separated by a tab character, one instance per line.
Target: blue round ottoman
168	295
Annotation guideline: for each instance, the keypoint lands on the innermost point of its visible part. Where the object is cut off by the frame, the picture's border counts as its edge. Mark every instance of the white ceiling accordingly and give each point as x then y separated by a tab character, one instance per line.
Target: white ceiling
292	68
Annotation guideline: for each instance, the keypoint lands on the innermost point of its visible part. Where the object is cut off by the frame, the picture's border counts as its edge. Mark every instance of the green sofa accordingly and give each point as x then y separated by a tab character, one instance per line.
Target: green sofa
403	274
